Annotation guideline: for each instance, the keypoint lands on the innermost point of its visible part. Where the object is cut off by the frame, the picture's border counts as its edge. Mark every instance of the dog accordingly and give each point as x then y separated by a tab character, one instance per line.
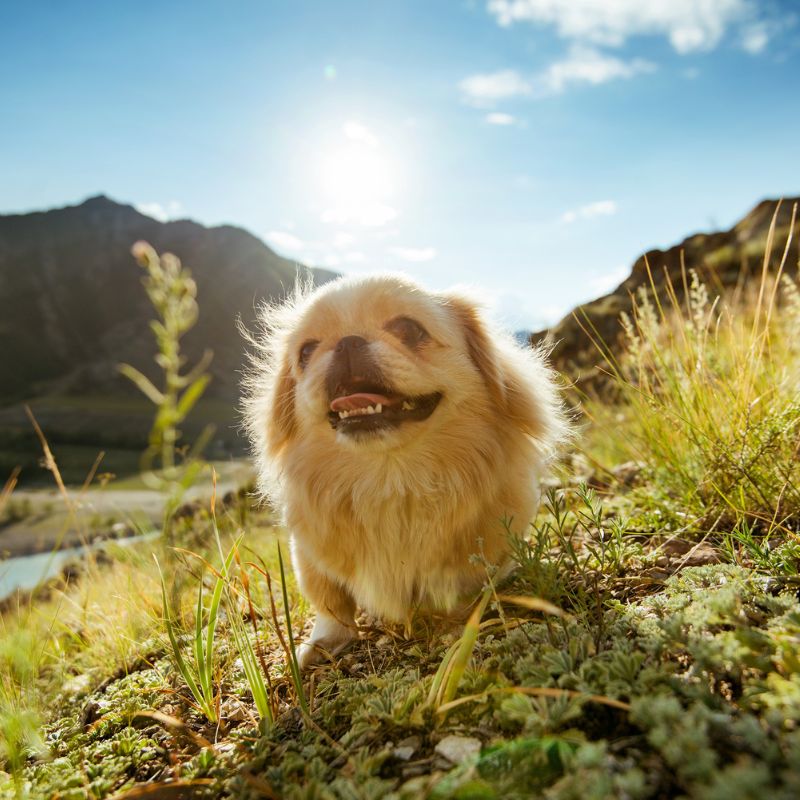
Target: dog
401	436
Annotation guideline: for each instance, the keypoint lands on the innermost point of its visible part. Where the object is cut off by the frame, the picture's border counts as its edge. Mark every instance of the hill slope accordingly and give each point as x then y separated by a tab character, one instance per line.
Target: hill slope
723	259
74	307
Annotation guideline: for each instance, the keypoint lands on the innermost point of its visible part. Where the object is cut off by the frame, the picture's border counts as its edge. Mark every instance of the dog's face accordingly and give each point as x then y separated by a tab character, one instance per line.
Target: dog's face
377	362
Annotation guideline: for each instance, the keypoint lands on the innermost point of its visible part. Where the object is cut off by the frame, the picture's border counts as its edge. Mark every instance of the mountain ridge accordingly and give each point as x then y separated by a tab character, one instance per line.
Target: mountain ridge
74	307
41	253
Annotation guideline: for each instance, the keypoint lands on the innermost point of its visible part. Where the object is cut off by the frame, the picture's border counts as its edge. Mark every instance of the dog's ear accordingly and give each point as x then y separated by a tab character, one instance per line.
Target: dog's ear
518	382
281	420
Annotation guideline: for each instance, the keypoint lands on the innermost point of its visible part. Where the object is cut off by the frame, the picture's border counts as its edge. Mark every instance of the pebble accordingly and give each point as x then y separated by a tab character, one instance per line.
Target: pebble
457	749
406	749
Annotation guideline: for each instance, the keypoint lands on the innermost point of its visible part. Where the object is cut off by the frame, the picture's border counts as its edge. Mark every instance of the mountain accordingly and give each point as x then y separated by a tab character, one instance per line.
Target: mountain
723	260
74	307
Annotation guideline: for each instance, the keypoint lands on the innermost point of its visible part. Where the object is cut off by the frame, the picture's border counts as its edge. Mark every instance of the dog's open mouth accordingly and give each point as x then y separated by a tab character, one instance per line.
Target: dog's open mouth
374	408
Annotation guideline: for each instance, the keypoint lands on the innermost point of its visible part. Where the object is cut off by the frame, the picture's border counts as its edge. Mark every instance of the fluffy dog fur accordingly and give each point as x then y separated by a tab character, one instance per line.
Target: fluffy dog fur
385	513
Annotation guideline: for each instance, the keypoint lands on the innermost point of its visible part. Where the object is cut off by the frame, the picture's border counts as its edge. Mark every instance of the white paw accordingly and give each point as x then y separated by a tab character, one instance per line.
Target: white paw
328	638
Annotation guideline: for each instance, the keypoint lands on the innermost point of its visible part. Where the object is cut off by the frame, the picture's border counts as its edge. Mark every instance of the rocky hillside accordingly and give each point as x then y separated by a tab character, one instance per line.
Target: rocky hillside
73	303
724	260
74	307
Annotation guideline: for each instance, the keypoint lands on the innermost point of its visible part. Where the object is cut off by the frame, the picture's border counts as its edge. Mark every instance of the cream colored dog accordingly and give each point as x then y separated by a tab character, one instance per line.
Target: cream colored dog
399	435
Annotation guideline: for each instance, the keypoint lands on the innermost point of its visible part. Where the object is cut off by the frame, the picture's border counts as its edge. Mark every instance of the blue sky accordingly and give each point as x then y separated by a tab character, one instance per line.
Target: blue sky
532	148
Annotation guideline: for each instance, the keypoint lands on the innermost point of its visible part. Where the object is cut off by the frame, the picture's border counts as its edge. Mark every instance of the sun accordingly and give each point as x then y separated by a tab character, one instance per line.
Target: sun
357	181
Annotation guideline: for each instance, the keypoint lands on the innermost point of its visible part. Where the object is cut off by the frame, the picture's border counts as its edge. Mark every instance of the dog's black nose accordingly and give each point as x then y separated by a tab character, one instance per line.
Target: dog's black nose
351	367
350	344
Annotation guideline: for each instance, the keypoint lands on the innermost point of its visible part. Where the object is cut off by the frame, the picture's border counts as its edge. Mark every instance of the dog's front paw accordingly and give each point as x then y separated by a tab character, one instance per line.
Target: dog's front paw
328	638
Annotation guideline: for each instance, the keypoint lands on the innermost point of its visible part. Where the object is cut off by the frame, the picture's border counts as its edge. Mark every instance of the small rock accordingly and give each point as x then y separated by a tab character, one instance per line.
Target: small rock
457	749
419	769
700	555
91	713
690	554
120	530
77	684
235	712
406	749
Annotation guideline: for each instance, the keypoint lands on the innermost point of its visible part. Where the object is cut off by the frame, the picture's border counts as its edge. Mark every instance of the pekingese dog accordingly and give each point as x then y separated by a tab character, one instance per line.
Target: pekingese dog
400	435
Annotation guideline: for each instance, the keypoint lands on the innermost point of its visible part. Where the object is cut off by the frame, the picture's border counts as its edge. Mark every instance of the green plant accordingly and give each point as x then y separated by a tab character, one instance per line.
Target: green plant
255	669
767	552
573	554
20	737
20	720
710	404
172	293
294	665
199	675
446	681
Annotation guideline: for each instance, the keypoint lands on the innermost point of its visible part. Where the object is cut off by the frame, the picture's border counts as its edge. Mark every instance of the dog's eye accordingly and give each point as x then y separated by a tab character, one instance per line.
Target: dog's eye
409	332
306	352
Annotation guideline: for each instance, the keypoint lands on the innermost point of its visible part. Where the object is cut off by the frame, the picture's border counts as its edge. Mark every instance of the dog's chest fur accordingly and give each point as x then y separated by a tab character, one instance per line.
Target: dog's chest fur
400	535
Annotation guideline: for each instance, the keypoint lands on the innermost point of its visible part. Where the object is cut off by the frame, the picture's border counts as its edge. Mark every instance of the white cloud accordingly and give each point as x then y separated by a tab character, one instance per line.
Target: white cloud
354	257
498	118
368	214
755	38
486	89
163	213
414	254
600	208
583	65
285	241
357	132
587	65
603	284
689	25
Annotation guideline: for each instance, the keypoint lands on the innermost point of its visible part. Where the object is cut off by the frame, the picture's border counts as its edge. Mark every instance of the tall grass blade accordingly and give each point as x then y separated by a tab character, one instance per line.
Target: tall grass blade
463	652
184	669
294	666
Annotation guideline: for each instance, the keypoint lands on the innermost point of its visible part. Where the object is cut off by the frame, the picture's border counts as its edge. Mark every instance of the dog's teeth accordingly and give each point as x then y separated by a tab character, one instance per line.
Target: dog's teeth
369	410
342	414
409	405
378	409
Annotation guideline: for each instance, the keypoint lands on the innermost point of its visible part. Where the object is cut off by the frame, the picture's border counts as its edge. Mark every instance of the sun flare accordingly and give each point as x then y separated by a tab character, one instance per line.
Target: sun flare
357	180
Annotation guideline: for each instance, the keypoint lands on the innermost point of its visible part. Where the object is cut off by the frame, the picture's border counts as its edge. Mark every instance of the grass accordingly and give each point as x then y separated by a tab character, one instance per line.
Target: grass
592	667
710	407
645	647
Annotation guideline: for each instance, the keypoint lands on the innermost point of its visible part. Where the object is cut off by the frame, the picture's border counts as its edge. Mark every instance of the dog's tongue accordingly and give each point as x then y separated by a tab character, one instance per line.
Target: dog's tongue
359	400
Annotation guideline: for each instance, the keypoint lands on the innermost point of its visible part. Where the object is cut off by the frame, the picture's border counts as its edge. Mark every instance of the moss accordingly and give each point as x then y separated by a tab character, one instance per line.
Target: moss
691	690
